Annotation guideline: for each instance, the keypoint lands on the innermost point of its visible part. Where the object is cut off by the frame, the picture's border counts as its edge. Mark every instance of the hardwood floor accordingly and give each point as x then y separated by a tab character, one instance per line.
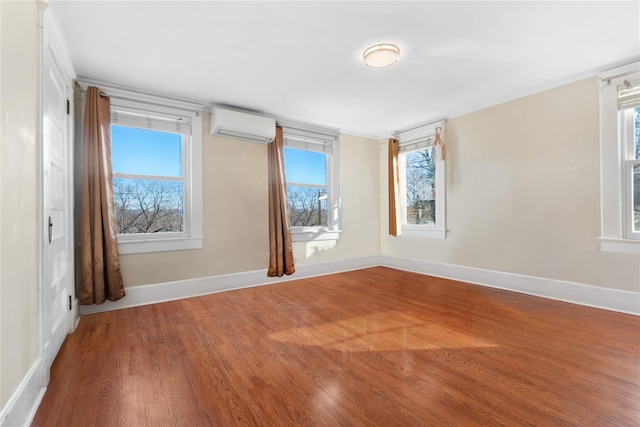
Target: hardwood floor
374	347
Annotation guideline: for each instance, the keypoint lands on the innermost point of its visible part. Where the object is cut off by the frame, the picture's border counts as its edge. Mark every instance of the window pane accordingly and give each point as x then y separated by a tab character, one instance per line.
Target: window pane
305	167
307	206
420	190
148	206
636	132
145	152
636	194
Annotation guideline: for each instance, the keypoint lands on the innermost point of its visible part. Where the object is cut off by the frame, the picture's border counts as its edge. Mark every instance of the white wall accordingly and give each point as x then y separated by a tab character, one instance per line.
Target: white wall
523	193
19	204
235	215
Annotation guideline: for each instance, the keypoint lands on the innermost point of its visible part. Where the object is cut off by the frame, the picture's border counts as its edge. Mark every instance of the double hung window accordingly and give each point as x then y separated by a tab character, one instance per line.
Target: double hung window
620	159
307	187
156	155
629	113
422	183
310	160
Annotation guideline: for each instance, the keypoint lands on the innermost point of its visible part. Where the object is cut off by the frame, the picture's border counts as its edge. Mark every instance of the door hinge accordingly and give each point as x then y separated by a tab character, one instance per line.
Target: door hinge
70	305
68	107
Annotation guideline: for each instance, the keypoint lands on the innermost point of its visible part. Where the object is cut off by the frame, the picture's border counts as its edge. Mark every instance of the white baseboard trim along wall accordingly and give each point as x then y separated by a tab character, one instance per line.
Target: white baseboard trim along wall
23	404
561	290
576	293
150	294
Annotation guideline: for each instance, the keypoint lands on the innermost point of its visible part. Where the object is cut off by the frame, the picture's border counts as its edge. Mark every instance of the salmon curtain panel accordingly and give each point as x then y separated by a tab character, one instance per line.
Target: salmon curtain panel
442	152
394	184
280	248
101	278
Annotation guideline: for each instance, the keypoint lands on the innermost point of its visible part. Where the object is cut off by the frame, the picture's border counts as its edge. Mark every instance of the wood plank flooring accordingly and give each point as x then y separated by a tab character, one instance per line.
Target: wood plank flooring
374	347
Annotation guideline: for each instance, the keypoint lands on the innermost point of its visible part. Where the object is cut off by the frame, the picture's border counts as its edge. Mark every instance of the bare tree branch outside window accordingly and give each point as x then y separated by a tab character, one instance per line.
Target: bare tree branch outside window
148	206
307	206
420	189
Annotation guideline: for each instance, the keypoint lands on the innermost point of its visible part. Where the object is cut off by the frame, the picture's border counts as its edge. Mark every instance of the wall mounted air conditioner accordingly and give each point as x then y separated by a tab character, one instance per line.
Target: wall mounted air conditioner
249	127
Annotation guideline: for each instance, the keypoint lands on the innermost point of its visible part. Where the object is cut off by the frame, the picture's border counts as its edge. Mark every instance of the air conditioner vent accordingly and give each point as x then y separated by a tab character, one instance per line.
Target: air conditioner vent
245	126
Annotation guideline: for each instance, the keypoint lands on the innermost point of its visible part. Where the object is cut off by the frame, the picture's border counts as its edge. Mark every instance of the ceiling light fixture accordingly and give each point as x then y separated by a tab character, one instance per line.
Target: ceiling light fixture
381	55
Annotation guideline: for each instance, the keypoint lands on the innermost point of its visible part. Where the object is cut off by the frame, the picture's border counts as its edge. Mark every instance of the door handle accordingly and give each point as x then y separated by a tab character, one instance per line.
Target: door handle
50	229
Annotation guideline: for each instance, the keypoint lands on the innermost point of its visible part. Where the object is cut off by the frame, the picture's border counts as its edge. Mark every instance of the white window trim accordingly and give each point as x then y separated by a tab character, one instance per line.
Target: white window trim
423	137
193	236
308	234
308	137
614	237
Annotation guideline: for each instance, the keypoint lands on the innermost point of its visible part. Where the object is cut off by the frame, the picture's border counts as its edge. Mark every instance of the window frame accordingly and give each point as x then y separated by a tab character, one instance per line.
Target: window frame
324	140
616	148
417	139
127	100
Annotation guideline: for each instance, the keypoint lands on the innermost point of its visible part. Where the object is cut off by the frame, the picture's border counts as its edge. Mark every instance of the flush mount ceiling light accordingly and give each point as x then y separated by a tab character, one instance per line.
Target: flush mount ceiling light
381	55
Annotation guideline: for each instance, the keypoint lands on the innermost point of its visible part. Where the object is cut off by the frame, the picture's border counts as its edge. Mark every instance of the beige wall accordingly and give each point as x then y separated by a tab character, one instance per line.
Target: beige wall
359	206
235	214
18	193
523	193
235	222
523	197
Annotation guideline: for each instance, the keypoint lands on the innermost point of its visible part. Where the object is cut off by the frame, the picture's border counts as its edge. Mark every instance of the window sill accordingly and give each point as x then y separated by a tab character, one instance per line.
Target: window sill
428	232
308	235
619	245
130	246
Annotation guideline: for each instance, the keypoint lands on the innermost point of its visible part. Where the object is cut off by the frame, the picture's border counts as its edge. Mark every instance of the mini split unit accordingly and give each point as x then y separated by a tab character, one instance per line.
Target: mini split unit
248	127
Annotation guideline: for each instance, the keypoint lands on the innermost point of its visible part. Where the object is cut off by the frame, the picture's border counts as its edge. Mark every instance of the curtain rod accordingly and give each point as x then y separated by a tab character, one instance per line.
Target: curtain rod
149	98
104	93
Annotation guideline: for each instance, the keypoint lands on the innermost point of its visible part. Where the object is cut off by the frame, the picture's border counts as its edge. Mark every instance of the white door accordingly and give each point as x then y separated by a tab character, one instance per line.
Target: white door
57	275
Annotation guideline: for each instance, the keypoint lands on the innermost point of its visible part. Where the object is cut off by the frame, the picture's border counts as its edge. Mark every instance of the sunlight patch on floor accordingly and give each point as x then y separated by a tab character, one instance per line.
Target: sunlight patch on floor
386	331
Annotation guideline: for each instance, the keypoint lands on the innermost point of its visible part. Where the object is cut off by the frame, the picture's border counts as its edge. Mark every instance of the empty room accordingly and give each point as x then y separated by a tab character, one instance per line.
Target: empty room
368	213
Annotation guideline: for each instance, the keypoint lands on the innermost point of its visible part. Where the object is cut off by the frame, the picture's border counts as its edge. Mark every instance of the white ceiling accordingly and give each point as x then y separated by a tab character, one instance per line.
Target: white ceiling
302	60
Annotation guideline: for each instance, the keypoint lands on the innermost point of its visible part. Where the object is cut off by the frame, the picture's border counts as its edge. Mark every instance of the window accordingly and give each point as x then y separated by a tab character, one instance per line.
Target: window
620	159
422	184
156	152
310	161
630	136
148	180
307	189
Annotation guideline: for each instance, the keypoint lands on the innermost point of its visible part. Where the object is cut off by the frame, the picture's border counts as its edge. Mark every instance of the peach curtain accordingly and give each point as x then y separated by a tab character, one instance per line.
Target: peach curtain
442	153
280	249
394	185
100	261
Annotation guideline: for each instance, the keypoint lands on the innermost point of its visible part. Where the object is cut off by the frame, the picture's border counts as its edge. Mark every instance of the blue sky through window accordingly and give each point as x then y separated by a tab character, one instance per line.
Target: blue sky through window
145	152
305	167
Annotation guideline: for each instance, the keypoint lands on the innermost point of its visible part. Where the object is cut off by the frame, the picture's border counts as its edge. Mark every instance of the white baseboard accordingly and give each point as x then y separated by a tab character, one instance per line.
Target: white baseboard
23	403
576	293
168	291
